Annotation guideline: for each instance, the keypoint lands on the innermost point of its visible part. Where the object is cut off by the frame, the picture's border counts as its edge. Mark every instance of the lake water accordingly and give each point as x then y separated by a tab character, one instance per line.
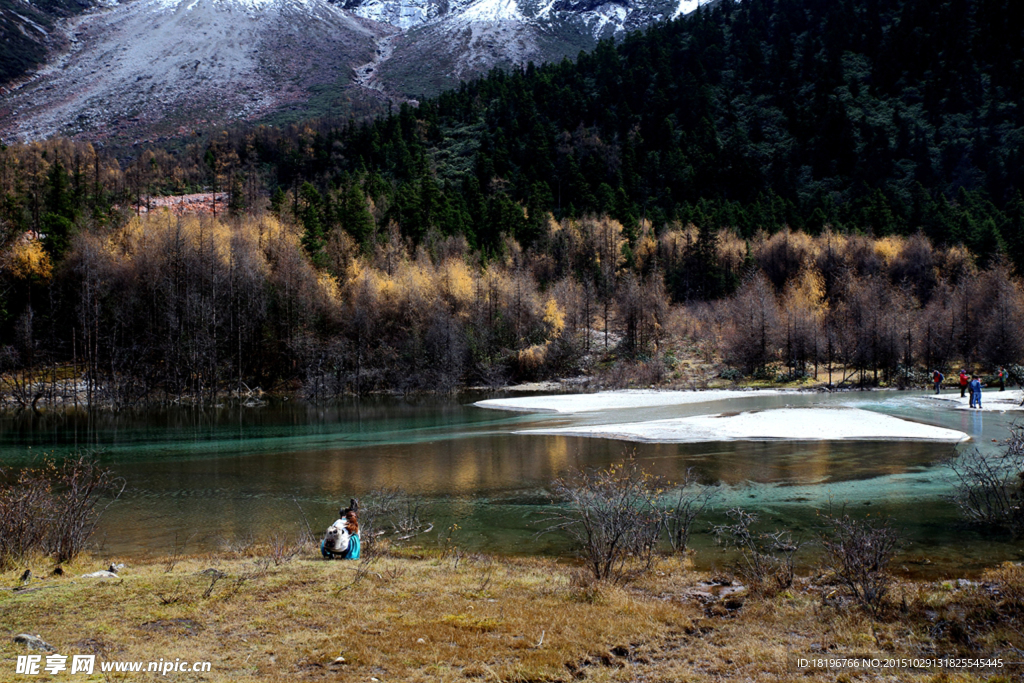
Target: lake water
219	475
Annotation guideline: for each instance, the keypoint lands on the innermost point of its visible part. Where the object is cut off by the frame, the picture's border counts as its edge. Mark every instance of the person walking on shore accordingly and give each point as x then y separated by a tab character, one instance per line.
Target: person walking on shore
937	378
963	382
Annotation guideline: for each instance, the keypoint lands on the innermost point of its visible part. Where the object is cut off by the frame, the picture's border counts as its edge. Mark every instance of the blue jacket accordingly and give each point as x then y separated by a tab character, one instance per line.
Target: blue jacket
975	386
353	548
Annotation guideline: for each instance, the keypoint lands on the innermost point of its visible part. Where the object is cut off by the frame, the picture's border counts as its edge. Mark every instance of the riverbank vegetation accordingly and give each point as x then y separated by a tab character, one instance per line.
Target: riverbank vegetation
192	308
53	509
417	615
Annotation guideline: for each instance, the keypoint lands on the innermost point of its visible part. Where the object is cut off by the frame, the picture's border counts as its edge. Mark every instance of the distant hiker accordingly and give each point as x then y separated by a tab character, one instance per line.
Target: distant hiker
937	378
1002	378
963	382
975	387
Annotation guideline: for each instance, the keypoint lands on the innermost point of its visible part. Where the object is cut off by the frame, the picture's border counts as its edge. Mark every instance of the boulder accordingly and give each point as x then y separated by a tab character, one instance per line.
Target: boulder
34	642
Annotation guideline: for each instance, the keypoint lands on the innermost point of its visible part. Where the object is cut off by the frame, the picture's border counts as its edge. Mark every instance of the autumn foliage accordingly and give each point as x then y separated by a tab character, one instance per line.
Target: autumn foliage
147	305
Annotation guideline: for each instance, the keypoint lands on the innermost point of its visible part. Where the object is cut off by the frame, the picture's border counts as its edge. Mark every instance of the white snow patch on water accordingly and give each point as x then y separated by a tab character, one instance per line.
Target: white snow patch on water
991	401
799	424
616	400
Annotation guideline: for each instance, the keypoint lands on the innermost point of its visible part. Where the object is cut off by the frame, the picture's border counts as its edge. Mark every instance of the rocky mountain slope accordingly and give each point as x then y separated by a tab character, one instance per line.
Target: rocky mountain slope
145	69
161	67
30	32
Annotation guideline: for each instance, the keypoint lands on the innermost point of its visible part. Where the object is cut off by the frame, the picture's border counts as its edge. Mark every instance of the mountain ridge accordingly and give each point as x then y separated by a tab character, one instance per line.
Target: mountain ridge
149	69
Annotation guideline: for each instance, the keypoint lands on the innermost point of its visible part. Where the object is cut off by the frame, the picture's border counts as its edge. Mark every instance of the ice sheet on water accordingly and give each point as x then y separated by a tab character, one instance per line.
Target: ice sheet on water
993	401
816	423
617	400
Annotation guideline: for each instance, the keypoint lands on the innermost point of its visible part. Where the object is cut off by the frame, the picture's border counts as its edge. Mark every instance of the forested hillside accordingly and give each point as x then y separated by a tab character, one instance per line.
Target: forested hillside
885	116
792	163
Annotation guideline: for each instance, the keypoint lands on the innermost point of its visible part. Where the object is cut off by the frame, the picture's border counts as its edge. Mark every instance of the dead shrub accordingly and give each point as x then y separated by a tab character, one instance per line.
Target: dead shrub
767	558
389	516
682	507
858	553
282	549
612	518
990	490
54	508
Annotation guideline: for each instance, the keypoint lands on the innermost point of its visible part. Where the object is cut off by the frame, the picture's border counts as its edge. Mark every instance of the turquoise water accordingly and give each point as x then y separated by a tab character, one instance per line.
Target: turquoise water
215	476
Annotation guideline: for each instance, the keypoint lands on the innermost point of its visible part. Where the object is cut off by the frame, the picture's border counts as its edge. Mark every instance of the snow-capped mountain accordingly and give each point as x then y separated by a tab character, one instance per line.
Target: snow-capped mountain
146	68
603	17
461	39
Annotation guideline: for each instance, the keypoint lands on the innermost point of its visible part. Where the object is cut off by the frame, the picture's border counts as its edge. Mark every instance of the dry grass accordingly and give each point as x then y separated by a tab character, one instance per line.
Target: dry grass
427	618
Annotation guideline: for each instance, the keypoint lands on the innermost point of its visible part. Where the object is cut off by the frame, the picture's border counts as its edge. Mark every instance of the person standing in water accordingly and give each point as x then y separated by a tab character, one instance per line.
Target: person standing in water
975	387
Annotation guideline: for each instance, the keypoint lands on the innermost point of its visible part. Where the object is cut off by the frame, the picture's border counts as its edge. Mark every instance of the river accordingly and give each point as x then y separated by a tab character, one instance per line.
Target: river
204	479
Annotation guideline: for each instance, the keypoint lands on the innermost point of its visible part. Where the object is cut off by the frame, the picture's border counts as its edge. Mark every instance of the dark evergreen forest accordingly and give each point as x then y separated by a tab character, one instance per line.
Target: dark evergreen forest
882	116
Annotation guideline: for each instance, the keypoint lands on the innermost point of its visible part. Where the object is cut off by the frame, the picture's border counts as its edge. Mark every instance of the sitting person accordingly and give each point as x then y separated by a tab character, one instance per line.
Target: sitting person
342	537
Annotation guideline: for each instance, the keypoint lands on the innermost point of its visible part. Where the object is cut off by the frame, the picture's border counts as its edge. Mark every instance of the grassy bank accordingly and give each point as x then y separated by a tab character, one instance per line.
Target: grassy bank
258	614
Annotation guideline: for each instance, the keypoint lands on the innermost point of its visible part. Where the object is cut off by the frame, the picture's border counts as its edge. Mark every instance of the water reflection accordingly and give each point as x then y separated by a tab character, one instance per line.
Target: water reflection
221	474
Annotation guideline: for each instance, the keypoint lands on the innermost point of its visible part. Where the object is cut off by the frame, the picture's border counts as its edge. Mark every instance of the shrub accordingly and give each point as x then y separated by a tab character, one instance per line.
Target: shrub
612	517
858	552
682	507
990	490
731	374
527	363
795	376
54	508
767	559
389	514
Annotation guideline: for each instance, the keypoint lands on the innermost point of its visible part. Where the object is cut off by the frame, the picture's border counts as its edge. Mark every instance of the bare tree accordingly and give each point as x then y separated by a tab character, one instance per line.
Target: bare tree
751	343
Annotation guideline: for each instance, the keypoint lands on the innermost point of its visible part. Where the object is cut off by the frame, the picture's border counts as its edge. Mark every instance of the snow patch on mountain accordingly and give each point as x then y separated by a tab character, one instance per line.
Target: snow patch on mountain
403	14
248	5
600	19
164	64
159	66
545	11
685	7
493	10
